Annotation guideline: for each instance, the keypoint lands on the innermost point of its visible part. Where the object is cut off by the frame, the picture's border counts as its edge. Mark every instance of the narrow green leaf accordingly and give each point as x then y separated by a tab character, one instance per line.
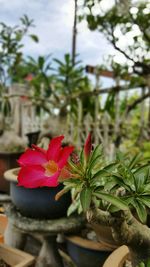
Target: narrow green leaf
93	163
34	38
122	182
141	171
140	182
41	62
96	152
145	200
85	198
147	189
141	210
112	199
76	168
134	161
110	185
107	170
73	207
82	157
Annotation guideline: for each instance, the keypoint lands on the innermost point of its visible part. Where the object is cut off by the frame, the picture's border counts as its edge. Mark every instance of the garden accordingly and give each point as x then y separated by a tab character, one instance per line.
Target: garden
74	139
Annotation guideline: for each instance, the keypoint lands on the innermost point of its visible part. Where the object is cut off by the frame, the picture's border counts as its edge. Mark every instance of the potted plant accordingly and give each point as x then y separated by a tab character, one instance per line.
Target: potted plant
84	249
115	194
43	168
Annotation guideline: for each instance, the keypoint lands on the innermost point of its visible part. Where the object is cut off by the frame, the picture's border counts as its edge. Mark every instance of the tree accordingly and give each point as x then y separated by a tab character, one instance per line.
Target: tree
130	22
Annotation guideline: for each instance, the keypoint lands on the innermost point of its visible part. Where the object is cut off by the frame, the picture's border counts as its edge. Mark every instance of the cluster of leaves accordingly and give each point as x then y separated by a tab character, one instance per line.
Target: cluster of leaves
129	182
70	78
121	185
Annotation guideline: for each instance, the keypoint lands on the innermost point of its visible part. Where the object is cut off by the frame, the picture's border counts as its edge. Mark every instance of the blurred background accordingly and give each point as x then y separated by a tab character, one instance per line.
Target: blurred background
72	67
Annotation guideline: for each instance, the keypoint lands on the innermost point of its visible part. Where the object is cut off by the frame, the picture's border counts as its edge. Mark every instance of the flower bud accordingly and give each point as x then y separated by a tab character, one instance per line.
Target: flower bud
88	147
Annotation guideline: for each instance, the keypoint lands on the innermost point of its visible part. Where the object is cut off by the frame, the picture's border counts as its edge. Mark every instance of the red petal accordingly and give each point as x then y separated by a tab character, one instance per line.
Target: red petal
31	176
54	148
88	146
32	157
40	149
34	176
64	155
52	181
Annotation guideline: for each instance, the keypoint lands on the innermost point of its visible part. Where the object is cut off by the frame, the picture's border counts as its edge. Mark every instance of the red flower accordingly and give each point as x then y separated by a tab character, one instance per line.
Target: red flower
29	77
41	167
88	147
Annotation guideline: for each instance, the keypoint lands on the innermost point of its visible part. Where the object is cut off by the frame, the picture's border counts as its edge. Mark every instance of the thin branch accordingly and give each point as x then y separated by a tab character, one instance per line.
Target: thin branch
145	67
136	102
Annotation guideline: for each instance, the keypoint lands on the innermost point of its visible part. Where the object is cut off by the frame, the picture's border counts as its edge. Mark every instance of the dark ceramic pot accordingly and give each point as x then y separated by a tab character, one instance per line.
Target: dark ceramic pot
33	138
38	202
87	253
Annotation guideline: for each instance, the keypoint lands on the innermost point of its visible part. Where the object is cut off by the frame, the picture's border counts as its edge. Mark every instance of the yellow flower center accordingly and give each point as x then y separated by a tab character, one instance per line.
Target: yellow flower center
51	167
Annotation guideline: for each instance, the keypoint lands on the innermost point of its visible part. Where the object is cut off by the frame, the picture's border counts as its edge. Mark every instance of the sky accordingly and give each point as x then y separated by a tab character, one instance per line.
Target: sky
53	21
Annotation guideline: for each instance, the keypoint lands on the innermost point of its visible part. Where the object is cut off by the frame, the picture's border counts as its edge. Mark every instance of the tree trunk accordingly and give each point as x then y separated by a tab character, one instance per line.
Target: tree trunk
126	230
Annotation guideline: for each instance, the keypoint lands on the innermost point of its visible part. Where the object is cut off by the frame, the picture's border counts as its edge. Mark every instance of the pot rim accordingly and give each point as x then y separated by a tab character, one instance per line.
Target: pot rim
11	174
89	244
117	257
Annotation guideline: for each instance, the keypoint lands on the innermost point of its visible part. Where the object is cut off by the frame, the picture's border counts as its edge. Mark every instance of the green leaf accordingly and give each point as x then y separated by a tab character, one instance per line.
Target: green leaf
110	185
122	182
134	161
85	198
105	171
97	152
145	200
73	207
82	157
146	189
41	62
92	163
76	168
140	183
112	199
141	210
34	38
141	170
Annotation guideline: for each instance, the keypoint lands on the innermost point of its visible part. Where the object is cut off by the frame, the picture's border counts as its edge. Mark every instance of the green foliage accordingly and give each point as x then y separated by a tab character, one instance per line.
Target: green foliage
70	78
85	198
11	44
40	70
142	264
121	185
120	21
